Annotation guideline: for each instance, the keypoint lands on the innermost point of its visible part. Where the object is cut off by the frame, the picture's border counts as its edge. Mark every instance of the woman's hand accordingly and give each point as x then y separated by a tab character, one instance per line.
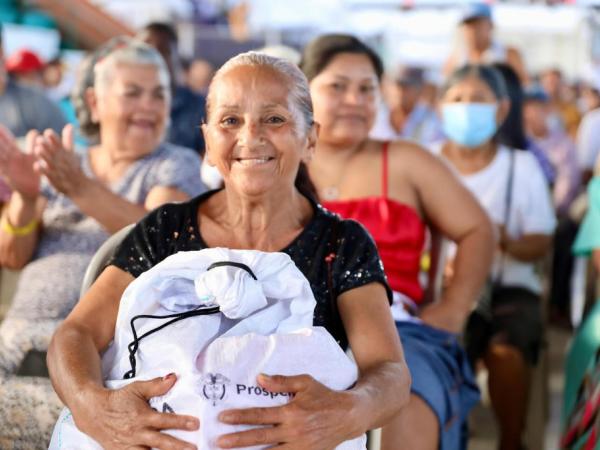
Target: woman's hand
317	417
444	316
57	160
527	248
123	419
16	167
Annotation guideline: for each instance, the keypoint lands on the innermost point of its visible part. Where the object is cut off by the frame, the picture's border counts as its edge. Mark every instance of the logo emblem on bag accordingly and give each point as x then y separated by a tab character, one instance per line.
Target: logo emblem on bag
214	387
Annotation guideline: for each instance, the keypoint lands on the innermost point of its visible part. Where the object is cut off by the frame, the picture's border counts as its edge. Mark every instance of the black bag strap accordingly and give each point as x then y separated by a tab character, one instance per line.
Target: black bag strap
134	345
508	200
232	264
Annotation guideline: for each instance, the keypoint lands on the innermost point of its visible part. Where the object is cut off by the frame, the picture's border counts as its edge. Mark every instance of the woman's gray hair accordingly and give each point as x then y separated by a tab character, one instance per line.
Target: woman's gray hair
299	90
97	71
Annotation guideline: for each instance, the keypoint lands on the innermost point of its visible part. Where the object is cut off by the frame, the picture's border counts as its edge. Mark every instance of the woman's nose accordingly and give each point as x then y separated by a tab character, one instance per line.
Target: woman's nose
353	97
251	134
150	102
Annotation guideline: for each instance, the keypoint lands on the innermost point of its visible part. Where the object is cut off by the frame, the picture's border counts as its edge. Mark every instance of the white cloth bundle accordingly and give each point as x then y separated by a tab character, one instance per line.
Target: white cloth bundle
264	325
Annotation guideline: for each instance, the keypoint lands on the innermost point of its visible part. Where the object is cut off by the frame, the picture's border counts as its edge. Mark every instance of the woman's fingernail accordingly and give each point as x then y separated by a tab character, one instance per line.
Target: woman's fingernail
223	442
225	417
192	424
169	376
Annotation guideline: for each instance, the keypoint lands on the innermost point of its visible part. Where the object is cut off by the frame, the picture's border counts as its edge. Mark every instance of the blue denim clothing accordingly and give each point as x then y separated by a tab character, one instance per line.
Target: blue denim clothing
442	377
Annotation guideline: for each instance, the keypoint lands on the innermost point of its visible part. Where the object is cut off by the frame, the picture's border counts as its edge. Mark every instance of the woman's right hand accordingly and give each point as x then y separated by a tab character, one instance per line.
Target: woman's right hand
16	167
123	419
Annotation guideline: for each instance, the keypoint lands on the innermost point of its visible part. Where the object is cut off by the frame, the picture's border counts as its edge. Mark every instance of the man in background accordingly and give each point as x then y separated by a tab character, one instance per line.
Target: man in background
480	47
23	108
564	113
187	107
409	116
199	74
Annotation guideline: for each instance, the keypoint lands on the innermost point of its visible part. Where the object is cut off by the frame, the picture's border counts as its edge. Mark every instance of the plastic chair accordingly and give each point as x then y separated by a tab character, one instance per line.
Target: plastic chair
101	258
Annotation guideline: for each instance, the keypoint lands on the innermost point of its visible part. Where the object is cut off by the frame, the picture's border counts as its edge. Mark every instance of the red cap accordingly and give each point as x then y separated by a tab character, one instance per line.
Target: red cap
24	61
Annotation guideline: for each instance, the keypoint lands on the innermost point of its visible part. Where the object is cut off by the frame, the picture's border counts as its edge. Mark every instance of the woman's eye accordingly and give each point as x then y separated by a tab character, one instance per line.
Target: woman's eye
337	87
275	119
131	94
228	121
367	89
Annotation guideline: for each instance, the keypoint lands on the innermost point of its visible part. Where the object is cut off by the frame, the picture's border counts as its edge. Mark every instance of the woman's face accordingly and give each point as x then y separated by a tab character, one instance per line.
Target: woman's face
471	113
470	90
255	136
345	97
132	109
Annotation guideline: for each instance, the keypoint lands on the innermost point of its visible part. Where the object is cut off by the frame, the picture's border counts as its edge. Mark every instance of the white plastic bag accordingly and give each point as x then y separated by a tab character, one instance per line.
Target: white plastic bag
264	326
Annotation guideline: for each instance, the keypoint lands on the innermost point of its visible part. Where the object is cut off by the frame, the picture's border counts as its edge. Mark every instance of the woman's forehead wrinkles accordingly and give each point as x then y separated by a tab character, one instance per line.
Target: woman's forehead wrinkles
230	95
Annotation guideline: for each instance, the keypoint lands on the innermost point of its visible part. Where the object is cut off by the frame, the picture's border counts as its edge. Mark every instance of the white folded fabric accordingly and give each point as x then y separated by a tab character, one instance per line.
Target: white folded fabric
263	325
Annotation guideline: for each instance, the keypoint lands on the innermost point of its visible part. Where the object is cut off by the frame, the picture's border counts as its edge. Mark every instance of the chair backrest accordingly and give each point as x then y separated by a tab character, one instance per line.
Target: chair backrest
101	257
438	249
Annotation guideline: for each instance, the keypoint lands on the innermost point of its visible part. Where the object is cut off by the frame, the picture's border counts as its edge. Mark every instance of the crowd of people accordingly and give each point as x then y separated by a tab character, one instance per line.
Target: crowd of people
375	182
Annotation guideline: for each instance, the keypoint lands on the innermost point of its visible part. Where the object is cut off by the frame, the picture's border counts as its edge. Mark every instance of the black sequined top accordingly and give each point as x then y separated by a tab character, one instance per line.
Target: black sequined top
174	227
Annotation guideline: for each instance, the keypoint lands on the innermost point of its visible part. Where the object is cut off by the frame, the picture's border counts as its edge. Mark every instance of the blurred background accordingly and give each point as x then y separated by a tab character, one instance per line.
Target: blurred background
44	42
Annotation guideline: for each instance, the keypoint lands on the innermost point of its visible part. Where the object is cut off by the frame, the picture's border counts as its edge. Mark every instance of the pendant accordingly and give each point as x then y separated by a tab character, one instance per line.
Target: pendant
330	193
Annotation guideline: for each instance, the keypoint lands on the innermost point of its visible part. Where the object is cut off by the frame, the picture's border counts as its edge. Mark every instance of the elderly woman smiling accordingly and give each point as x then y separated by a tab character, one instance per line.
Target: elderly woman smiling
258	134
52	228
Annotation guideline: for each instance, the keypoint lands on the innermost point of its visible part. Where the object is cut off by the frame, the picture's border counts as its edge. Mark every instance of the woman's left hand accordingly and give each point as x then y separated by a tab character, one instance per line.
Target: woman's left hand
444	316
317	418
503	238
57	160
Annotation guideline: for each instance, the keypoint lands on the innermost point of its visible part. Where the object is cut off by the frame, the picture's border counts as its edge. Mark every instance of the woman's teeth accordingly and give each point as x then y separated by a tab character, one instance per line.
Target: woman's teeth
254	161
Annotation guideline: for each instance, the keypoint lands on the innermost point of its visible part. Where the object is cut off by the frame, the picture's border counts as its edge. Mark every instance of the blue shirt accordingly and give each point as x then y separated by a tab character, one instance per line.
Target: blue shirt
187	114
23	108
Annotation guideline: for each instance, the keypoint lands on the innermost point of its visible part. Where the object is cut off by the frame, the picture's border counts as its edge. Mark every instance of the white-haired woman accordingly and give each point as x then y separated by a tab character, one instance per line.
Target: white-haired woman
259	133
51	228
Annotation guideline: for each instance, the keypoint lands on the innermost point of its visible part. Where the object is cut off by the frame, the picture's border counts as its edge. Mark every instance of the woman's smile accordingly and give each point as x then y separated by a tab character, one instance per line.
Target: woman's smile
143	123
253	161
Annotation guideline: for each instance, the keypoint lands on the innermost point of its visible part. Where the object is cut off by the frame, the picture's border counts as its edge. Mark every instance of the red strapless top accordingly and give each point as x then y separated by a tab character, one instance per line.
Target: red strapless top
397	230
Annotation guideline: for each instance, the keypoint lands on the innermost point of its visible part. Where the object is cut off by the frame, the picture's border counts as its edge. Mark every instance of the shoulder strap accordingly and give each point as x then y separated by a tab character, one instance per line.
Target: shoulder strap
507	210
384	169
509	187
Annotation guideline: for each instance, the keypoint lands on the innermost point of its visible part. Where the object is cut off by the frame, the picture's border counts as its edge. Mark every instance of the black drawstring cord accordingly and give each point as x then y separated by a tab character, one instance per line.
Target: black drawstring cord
232	264
134	345
200	311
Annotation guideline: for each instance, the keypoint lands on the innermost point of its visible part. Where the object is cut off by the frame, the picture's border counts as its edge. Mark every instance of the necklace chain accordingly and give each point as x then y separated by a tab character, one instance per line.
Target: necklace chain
332	191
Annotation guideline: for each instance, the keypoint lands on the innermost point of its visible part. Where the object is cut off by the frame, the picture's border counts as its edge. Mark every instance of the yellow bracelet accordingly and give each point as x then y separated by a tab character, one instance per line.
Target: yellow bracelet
18	231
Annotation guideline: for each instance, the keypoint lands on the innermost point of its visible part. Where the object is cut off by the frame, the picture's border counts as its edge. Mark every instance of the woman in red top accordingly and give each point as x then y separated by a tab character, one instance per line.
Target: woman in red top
396	191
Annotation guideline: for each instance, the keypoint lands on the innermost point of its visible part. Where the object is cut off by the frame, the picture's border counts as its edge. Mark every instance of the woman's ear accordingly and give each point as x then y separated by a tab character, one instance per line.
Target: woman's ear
311	146
502	112
92	103
207	152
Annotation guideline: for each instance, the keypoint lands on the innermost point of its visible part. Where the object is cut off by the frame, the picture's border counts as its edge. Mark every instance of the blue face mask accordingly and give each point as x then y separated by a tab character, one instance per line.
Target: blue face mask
469	124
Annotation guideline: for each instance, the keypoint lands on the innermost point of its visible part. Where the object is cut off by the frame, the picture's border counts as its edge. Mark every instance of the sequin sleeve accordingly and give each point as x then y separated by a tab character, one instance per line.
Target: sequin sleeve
357	262
163	232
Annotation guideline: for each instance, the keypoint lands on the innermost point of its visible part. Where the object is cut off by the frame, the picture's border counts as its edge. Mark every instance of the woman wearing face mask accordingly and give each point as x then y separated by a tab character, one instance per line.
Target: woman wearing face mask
397	190
505	332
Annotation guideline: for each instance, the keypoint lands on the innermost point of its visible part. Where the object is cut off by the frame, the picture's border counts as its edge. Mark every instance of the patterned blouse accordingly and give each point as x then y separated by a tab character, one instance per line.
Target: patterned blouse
173	228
